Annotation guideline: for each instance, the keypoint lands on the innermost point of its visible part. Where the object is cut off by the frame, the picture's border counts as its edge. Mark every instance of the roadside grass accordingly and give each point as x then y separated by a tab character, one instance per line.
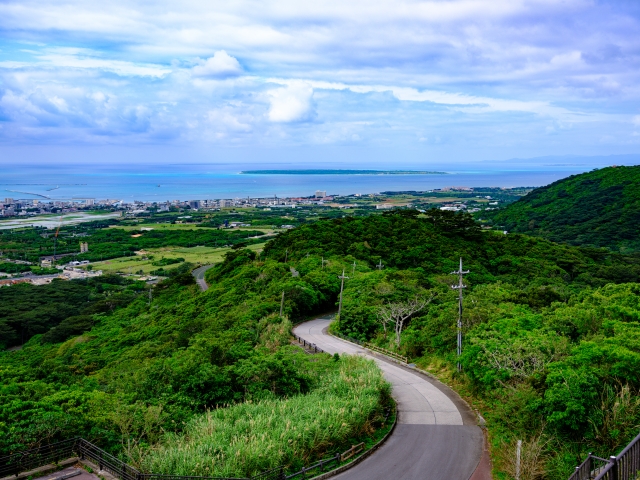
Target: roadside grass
196	255
248	438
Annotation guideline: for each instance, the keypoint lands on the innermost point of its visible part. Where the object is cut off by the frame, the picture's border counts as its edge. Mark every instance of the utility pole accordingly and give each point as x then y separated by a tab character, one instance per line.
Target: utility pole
353	271
380	265
150	296
459	287
286	255
323	262
281	304
343	278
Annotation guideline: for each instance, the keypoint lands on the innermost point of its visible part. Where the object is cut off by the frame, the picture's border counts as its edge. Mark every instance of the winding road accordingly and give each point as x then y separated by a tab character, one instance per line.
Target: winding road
436	436
198	274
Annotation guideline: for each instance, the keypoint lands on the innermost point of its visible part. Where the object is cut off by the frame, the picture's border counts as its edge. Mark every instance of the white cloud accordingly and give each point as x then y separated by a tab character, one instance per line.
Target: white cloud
470	103
636	120
221	65
292	103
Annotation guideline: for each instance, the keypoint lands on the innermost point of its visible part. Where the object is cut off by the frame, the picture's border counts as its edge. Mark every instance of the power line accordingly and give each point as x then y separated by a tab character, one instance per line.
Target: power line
343	278
459	287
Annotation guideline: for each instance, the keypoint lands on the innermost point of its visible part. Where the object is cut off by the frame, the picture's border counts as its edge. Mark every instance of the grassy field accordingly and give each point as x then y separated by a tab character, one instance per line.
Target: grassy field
196	255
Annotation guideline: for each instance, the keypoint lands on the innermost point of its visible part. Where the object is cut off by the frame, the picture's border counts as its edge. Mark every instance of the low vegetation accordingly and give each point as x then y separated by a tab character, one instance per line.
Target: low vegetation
251	437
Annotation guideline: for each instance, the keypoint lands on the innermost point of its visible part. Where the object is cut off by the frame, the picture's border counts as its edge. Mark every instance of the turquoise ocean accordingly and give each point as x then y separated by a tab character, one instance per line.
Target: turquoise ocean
200	181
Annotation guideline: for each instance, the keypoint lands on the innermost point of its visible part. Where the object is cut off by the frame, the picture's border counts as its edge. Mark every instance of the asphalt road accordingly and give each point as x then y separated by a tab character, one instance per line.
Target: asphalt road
198	274
436	437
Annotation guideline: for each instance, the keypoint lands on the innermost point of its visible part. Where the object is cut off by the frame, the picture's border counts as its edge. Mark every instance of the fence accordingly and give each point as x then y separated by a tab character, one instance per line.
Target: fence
389	353
626	466
78	447
37	457
348	339
312	346
375	348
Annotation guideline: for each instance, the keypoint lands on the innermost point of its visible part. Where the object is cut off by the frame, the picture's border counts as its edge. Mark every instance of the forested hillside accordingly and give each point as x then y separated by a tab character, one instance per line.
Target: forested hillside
551	349
600	208
551	332
140	376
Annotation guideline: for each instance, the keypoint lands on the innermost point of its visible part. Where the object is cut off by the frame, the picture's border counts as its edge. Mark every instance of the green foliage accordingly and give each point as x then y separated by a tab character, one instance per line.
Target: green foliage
8	267
255	436
550	340
166	261
600	208
27	310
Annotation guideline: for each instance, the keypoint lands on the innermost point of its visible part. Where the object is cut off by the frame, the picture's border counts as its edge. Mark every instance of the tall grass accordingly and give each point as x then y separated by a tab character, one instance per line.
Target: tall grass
245	439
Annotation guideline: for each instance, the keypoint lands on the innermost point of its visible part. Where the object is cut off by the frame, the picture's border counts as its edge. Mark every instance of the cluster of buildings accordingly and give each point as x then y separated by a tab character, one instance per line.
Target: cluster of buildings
66	272
25	207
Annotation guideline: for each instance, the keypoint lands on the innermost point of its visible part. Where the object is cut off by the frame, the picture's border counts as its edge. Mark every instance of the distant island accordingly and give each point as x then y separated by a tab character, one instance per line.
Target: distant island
339	172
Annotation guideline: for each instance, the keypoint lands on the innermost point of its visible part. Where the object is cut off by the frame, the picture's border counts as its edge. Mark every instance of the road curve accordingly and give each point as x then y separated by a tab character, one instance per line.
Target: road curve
198	274
436	437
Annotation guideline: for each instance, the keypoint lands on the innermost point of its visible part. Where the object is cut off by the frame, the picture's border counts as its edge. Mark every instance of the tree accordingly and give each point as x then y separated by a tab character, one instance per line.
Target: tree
398	313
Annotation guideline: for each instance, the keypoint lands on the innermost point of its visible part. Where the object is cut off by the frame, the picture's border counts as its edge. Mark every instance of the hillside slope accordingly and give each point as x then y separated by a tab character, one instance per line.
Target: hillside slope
599	208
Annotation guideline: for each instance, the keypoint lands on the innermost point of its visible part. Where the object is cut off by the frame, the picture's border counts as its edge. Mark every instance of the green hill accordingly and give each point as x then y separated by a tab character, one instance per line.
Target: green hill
599	208
551	345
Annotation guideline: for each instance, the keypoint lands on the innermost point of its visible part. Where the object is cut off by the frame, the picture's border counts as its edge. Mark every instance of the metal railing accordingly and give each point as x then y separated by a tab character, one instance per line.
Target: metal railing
311	346
321	465
37	457
626	466
347	338
375	348
389	353
588	469
78	447
105	461
54	453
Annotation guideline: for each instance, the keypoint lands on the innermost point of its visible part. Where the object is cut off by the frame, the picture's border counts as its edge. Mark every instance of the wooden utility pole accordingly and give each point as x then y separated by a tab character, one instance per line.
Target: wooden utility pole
380	265
459	287
343	278
281	304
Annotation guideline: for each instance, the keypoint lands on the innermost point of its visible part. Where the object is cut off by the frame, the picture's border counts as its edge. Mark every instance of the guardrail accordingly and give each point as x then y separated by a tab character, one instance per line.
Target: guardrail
312	346
37	457
375	348
626	466
347	338
389	353
588	469
29	460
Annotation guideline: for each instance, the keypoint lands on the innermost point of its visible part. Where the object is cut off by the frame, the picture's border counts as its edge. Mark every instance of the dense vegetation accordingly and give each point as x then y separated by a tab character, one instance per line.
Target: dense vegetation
60	309
105	243
156	367
552	348
552	332
600	208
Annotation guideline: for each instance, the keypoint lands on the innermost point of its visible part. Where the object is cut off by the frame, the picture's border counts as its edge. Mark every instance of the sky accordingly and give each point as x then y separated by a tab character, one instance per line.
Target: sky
399	81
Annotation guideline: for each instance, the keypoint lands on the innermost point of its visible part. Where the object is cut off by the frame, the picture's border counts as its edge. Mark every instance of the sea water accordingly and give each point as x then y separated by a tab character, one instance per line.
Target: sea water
191	182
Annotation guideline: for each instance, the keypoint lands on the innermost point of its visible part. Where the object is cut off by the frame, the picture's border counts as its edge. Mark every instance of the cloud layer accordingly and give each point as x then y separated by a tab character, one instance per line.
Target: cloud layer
523	77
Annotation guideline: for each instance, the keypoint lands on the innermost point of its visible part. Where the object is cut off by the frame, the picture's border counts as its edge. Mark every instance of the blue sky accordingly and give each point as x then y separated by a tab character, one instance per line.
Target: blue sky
457	80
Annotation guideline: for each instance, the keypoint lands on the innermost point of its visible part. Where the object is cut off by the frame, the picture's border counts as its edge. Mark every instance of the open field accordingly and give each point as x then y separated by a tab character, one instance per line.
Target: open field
196	255
53	220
